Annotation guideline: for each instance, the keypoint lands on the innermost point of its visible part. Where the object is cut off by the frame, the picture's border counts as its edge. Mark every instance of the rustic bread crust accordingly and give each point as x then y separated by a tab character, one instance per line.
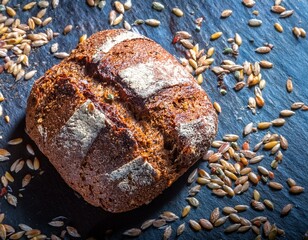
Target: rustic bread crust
120	119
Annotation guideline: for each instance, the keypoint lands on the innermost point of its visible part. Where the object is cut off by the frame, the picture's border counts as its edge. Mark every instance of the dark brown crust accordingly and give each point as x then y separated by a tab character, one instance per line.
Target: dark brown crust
154	129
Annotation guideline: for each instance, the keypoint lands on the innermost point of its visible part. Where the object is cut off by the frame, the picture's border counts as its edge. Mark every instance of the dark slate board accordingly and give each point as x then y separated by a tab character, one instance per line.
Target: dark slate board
48	196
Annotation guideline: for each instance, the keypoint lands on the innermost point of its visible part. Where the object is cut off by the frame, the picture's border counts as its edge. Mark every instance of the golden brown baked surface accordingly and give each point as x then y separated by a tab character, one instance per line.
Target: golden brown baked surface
120	119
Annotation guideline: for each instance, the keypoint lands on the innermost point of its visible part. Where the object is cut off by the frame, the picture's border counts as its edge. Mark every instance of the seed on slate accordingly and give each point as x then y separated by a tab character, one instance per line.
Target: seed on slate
17	235
278	9
278	122
296	189
283	142
256	195
152	22
232	228
239	86
167	233
193	201
287	113
15	141
186	210
270	145
266	228
286	13
192	176
305	108
241	208
265	64
180	229
217	107
248	3
146	224
24	227
112	16
91	3
229	210
280	232
263	170
54	47
30	74
259	206
248	129
256	159
169	216
221	221
224	147
291	182
219	192
230	175
133	232
263	49
238	189
10	11
289	85
119	7
278	27
215	36
36	163
297	105
253	178
286	209
262	84
159	223
215	157
274	164
203	181
206	224
260	101
269	204
226	13
229	190
19	166
238	39
158	6
256	230
61	55
118	20
54	3
275	185
186	43
67	29
214	215
264	125
72	232
194	225
230	137
254	22
245	187
208	155
210	52
235	218
244	228
177	12
275	148
296	32
29	6
11	199
203	173
303	32
9	177
56	223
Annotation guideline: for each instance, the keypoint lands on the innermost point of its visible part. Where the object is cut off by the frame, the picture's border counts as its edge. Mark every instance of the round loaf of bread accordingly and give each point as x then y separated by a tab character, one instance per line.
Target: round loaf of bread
120	119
